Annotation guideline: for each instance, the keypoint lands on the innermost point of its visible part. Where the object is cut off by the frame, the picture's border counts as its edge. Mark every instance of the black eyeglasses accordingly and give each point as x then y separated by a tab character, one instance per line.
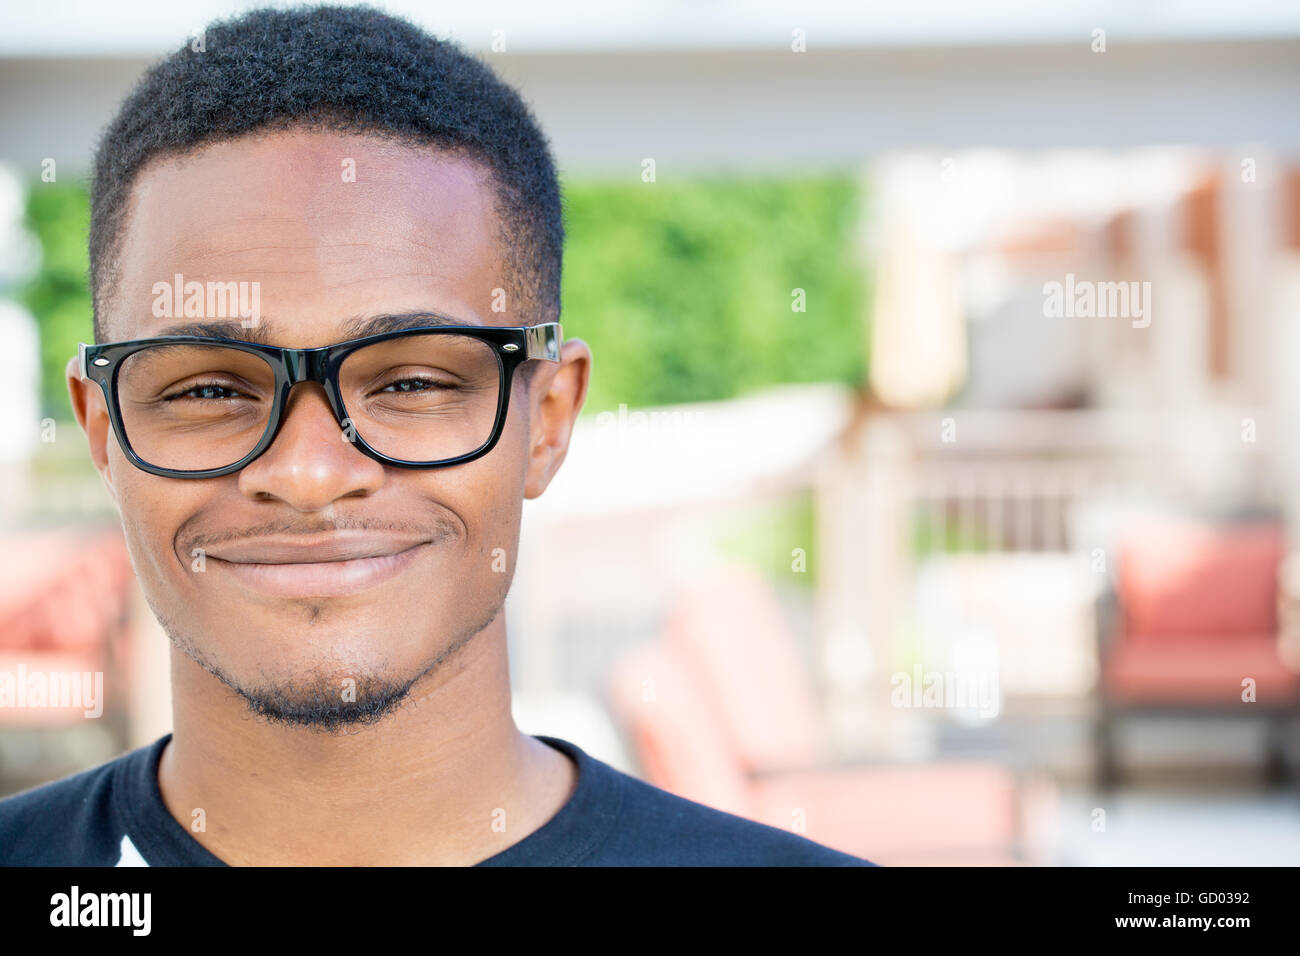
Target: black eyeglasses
193	406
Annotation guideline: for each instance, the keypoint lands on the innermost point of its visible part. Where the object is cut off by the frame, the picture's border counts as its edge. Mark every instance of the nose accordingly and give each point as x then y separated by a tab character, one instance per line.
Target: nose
311	463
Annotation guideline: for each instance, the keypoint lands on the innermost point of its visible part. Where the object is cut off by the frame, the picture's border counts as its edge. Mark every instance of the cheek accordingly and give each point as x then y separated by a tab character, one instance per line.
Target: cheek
504	480
151	516
487	497
153	509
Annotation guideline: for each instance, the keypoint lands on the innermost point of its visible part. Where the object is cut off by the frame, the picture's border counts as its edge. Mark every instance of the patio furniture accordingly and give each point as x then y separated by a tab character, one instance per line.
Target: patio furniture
720	710
1192	629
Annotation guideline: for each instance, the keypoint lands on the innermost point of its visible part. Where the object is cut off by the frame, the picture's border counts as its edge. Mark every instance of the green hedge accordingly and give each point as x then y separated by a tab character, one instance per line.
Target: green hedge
58	214
682	289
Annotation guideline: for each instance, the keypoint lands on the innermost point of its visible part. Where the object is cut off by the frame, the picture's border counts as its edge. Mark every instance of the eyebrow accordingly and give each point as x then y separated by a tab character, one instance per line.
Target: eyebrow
354	328
361	326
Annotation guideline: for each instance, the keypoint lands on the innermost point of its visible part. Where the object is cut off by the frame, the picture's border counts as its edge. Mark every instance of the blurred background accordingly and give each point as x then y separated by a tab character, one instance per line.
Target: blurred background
934	496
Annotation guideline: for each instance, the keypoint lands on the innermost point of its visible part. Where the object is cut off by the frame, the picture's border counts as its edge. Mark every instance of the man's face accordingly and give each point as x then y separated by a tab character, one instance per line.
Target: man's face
414	230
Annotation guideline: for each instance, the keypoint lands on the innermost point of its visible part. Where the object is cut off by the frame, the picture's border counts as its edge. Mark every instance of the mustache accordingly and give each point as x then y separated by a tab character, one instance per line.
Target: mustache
434	530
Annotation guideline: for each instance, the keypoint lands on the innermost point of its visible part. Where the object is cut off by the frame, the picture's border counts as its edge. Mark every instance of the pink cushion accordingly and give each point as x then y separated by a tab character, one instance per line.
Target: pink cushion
924	814
1200	669
1177	579
674	731
887	812
74	588
731	630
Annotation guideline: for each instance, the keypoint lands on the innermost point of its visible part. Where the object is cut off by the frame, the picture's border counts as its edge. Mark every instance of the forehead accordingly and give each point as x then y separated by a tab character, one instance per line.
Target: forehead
330	226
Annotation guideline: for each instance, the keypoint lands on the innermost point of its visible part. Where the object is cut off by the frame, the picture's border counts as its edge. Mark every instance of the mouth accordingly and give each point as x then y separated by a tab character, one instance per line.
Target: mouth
334	568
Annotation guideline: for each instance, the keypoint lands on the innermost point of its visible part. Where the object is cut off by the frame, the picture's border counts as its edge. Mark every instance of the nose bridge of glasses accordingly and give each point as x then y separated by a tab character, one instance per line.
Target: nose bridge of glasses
305	365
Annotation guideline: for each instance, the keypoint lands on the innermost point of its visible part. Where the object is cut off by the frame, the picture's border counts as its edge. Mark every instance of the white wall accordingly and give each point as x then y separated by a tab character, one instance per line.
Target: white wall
757	109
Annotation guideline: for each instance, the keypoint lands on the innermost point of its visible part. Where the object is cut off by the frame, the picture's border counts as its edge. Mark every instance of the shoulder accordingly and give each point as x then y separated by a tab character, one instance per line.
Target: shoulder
66	822
652	827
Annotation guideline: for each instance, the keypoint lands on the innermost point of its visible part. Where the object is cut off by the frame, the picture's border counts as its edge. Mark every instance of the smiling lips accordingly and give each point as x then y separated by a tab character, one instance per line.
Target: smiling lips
331	565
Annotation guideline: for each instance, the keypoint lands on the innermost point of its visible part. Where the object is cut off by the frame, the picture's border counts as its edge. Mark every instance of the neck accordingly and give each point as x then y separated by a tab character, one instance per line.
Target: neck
446	779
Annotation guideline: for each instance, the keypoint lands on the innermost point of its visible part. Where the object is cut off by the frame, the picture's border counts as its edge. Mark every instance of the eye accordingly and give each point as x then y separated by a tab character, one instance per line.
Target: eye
211	391
416	385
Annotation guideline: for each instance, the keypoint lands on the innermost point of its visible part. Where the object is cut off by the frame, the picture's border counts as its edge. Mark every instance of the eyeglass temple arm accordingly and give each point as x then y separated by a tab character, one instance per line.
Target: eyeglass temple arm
544	341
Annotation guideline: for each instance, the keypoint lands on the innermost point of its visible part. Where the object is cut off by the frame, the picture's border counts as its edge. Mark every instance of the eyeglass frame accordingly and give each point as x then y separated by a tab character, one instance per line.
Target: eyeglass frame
512	346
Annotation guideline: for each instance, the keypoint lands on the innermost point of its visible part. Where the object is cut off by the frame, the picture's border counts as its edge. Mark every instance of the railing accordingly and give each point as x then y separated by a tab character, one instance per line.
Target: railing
1015	481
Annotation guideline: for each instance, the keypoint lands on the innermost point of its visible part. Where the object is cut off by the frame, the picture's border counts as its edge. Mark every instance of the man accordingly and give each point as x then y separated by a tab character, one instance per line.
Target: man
323	506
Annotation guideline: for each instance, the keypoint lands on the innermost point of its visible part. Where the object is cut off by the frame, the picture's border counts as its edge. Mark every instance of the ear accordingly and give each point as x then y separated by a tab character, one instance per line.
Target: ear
92	415
557	396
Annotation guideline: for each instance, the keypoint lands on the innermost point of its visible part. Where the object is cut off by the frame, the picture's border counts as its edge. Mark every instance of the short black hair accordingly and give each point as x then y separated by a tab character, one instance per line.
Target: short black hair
347	69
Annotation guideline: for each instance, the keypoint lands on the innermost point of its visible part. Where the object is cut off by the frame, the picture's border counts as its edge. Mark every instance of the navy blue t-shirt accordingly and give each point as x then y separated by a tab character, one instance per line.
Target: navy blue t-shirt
114	815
